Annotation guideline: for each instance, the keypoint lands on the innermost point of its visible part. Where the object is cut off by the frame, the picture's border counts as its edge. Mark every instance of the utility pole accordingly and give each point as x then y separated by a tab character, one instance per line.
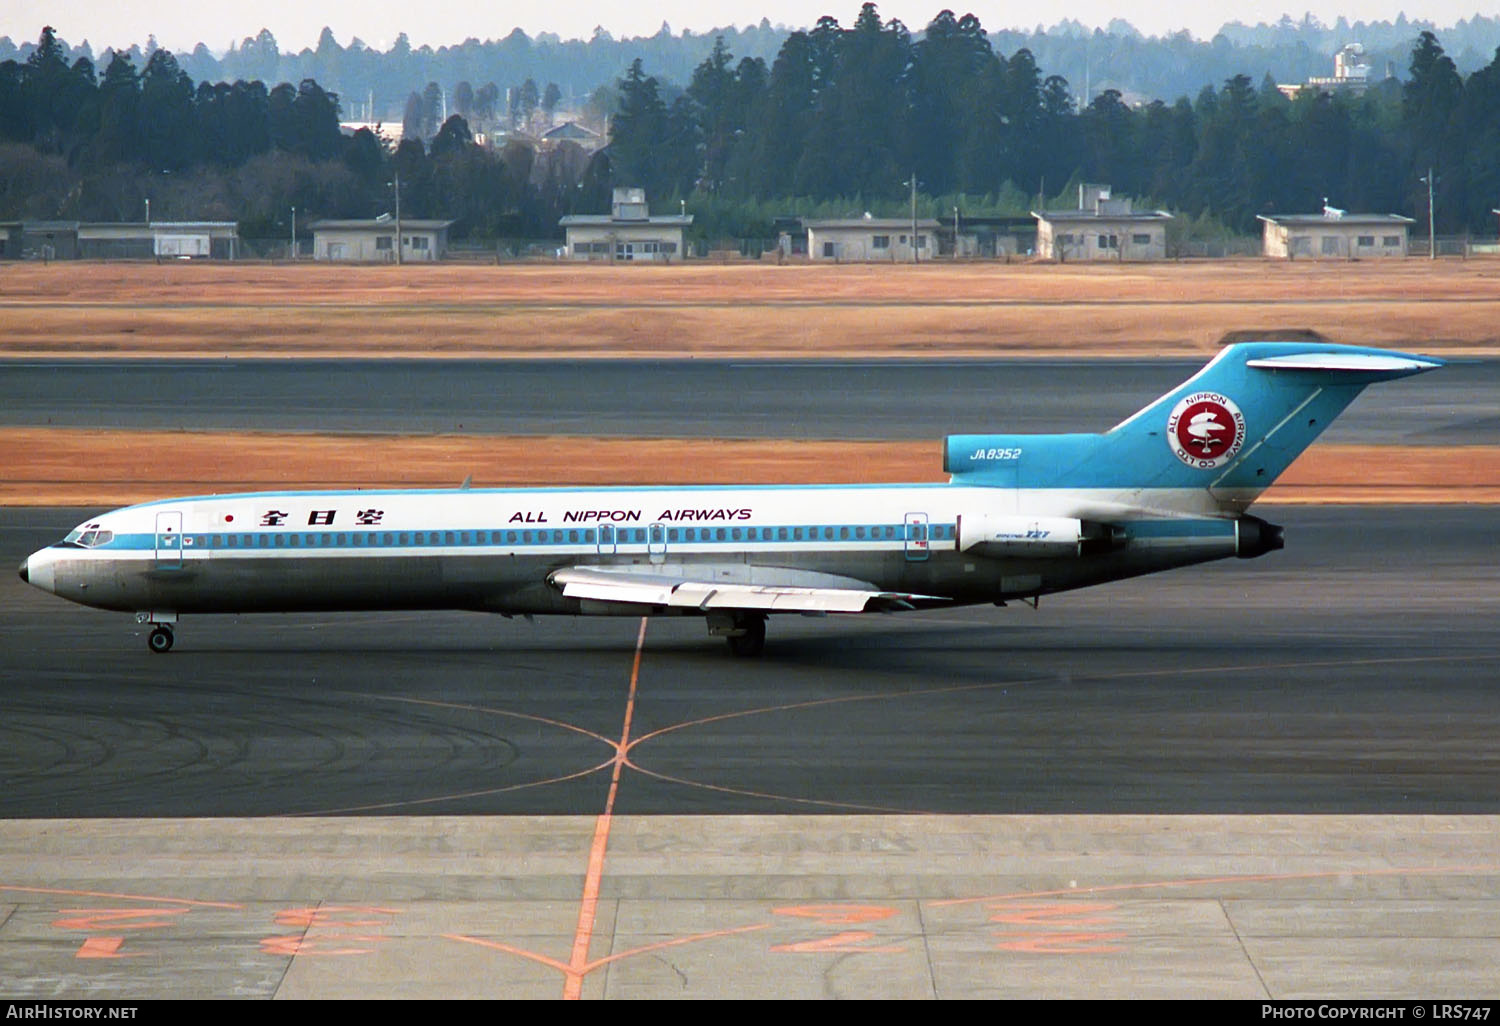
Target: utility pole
294	233
398	218
1431	220
914	216
955	234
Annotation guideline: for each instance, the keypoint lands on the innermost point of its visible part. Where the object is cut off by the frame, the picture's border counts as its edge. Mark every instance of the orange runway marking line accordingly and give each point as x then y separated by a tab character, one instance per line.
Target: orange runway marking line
116	918
1051	934
839	915
589	907
466	707
813	703
482	792
942	690
588	967
578	965
675	942
847	942
850	942
323	947
1061	943
952	689
122	897
104	947
1048	915
111	919
511	949
306	917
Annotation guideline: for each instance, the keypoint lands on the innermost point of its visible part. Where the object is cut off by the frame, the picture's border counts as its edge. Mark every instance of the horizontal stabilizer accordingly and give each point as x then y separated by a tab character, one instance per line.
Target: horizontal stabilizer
1381	365
636	586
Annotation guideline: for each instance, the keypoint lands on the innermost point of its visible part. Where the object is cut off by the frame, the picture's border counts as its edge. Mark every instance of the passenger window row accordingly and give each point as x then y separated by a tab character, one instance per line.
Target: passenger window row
621	536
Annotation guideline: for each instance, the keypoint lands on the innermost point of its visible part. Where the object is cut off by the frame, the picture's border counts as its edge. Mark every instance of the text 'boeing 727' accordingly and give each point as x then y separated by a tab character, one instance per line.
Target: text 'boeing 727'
1022	516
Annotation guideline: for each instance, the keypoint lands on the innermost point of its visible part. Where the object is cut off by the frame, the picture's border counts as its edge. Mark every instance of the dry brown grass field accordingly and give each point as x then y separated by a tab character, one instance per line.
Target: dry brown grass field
532	310
173	310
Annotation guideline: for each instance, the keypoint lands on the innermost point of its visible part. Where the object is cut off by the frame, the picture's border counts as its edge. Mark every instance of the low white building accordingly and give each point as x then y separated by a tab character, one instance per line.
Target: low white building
629	232
1334	235
375	241
196	239
1101	229
866	239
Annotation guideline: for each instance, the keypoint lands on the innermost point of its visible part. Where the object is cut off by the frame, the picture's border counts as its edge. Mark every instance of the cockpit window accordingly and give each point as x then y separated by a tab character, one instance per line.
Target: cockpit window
93	538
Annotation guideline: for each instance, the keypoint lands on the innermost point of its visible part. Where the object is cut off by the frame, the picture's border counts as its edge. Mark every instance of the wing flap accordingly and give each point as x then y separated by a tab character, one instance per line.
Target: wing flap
634	587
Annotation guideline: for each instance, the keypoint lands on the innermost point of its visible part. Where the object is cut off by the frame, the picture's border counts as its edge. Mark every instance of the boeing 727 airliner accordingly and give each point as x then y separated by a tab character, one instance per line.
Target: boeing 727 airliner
1022	516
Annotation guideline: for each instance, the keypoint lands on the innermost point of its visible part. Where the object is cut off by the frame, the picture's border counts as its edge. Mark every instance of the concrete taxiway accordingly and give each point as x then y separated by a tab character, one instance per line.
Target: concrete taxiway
896	399
1250	907
1273	778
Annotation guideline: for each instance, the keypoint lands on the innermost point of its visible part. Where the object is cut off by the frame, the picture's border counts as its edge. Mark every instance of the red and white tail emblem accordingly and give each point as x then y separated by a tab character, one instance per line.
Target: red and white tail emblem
1206	430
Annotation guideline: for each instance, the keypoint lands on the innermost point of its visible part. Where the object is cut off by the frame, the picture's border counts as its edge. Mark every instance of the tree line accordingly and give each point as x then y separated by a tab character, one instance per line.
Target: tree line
82	145
1116	56
856	112
839	121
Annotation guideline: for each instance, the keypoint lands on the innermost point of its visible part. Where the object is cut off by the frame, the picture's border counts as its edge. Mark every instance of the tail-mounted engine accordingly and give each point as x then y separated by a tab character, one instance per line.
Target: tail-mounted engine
990	534
1255	537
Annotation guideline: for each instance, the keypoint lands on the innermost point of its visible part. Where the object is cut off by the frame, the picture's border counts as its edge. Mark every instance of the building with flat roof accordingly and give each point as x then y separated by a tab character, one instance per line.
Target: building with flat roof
1101	228
629	232
1334	235
374	241
119	240
998	237
866	239
39	240
199	240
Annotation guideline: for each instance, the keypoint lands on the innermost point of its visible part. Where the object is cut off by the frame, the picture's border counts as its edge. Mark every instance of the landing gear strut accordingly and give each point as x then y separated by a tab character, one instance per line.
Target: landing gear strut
161	620
750	641
160	640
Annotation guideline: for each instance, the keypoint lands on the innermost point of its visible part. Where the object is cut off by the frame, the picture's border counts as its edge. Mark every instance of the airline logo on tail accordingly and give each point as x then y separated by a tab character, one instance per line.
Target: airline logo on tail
1206	430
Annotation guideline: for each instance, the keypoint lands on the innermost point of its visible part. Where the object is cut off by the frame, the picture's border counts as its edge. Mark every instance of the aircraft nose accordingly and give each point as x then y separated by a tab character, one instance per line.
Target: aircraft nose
38	570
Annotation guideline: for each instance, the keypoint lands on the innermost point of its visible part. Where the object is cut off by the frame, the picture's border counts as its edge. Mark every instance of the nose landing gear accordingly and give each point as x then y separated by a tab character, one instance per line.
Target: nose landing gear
161	640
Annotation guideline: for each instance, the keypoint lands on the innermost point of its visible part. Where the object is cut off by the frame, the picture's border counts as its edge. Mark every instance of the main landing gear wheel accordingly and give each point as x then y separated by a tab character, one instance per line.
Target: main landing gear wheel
753	641
161	640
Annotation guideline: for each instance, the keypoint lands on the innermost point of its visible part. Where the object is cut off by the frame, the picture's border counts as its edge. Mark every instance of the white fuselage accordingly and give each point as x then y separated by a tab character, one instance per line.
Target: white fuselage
494	550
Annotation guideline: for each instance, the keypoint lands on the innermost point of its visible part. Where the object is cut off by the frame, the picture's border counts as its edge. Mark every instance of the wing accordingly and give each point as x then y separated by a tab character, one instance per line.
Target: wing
690	587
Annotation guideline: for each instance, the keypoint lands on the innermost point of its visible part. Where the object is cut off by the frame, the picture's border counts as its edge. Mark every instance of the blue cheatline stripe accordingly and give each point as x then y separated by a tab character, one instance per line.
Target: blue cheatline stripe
548	538
259	541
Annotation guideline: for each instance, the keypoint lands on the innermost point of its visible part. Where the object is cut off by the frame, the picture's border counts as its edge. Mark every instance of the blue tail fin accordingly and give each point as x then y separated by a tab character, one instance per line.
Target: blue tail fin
1215	442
